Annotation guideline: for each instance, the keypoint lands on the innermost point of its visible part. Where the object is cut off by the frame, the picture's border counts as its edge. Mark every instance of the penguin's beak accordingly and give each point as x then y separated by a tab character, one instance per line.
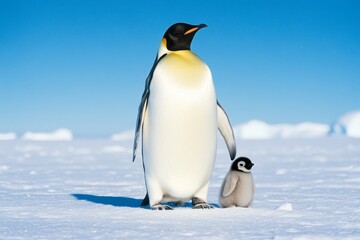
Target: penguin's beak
196	28
202	25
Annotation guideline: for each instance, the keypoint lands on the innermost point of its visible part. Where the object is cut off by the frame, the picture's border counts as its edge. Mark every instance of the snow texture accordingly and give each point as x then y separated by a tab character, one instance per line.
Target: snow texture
7	136
90	189
348	125
58	135
285	207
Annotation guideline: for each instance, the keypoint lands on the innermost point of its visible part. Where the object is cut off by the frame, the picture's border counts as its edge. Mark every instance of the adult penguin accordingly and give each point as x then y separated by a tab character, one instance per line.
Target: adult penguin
178	120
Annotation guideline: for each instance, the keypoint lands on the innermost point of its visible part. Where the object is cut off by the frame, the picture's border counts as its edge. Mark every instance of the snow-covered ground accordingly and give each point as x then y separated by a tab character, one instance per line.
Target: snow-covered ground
90	189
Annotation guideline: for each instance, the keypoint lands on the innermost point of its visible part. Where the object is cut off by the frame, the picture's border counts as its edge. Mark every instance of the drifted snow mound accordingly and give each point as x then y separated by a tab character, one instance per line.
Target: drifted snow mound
256	129
7	136
285	207
348	125
58	135
127	135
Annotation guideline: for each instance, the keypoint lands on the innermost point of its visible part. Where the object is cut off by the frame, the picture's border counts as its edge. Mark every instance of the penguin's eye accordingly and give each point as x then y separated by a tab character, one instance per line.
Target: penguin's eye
241	164
176	34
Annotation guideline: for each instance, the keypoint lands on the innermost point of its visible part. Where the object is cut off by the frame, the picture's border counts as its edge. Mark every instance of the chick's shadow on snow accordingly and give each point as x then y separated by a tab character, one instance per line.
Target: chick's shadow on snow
110	200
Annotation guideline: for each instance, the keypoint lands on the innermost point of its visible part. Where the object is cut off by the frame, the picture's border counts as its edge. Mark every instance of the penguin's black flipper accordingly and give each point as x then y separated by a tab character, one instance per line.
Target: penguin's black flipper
226	130
139	121
143	105
146	201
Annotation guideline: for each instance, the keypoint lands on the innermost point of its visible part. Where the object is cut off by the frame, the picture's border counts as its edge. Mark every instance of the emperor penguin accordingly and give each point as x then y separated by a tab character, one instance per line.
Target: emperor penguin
238	188
177	121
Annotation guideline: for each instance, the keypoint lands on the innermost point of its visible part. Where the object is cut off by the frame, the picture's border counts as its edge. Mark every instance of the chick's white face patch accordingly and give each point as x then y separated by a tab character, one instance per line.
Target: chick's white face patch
241	166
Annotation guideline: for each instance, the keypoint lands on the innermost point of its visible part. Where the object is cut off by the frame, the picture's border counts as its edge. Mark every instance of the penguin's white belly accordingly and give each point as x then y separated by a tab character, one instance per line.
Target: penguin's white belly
180	126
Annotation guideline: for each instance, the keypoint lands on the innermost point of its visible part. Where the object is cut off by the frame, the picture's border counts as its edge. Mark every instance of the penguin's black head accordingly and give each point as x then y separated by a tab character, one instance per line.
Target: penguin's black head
180	35
242	164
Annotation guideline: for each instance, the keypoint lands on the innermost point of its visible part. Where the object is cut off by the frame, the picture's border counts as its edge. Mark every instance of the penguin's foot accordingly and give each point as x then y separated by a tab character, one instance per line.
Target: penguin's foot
203	206
177	204
200	204
159	206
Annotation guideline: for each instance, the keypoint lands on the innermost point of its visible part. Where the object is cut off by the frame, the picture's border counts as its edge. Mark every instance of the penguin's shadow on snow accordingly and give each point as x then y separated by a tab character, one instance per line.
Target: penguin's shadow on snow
110	200
119	201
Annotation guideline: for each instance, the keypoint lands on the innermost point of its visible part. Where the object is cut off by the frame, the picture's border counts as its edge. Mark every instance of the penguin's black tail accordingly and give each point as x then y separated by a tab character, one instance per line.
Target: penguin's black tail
146	201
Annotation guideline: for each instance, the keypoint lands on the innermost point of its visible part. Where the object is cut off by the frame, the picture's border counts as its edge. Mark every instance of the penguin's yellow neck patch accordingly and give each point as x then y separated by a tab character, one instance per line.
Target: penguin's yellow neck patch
185	55
163	41
185	68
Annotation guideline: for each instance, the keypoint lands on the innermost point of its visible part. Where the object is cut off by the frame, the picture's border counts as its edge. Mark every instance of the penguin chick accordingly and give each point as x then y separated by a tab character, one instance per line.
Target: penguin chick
238	188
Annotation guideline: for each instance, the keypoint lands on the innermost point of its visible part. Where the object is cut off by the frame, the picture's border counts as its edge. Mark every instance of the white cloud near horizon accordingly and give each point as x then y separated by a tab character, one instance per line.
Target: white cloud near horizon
7	136
61	134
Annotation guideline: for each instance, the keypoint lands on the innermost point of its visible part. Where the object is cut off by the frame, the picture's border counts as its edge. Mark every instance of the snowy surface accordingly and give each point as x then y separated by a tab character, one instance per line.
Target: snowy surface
306	189
61	134
348	125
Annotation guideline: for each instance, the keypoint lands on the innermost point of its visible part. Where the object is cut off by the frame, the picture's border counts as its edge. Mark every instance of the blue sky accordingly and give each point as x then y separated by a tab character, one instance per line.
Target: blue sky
82	64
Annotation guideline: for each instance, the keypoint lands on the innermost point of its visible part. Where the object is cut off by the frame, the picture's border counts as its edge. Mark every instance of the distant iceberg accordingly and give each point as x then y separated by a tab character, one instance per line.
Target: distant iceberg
7	136
58	135
256	129
348	124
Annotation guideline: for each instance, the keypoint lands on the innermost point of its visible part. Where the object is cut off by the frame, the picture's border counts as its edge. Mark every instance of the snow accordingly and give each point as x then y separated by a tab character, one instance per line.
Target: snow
58	135
91	189
286	207
256	129
7	136
348	125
